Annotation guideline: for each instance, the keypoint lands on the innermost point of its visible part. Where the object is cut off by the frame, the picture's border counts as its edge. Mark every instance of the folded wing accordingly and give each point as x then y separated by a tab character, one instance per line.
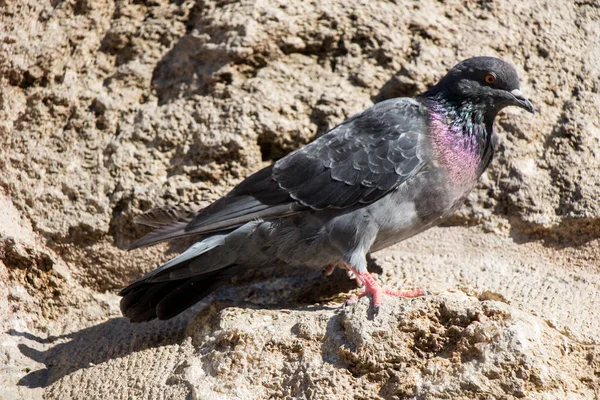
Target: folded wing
359	161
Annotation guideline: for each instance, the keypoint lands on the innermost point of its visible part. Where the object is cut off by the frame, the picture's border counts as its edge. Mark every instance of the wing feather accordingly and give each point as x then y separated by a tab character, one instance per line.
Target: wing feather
357	162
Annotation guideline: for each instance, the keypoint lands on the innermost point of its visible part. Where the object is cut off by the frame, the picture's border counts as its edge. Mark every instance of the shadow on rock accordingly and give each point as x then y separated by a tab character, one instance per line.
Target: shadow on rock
571	232
97	344
190	68
117	337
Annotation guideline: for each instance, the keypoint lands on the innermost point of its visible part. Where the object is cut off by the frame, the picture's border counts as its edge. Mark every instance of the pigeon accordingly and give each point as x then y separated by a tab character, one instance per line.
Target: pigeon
381	176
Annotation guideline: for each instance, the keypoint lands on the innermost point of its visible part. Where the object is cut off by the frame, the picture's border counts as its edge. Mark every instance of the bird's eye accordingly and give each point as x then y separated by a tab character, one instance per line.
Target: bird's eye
490	79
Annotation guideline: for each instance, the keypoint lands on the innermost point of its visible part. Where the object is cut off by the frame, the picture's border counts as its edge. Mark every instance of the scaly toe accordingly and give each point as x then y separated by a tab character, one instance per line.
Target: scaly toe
409	294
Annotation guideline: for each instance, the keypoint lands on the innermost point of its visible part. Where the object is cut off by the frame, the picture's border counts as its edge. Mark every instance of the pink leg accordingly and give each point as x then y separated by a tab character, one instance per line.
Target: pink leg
409	294
373	288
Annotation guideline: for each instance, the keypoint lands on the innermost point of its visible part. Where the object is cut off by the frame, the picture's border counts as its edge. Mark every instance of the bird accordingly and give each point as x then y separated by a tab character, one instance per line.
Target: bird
381	176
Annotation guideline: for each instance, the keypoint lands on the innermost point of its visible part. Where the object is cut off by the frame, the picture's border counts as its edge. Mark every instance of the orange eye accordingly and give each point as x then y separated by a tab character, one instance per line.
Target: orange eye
490	79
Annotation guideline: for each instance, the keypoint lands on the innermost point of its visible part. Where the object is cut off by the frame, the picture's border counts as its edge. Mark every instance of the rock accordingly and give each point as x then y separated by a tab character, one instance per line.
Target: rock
109	108
446	346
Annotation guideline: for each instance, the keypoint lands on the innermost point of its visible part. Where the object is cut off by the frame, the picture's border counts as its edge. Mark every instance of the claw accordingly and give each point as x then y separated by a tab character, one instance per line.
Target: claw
352	275
353	299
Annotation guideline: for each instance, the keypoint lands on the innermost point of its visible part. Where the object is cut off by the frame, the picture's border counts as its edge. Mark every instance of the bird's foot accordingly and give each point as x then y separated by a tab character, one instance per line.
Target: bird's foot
377	292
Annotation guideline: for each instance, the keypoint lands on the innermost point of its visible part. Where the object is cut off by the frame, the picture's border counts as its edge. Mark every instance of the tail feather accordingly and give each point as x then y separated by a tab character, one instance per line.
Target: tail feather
165	300
181	228
168	231
189	277
140	304
191	291
181	261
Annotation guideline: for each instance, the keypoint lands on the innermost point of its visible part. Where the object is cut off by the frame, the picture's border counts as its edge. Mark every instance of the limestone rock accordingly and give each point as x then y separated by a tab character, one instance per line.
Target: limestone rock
111	107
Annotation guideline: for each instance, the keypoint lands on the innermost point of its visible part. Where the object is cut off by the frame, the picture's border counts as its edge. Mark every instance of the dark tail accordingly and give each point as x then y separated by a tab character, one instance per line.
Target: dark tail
189	277
163	300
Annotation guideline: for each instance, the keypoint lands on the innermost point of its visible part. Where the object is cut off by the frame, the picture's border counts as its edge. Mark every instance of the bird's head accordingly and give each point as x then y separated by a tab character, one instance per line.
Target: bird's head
487	82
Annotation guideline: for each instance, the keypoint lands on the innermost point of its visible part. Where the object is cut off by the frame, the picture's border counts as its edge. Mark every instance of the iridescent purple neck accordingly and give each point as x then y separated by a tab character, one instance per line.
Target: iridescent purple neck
461	138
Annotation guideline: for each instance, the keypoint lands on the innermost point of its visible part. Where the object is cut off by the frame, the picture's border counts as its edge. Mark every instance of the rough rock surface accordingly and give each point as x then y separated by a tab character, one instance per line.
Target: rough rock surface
109	108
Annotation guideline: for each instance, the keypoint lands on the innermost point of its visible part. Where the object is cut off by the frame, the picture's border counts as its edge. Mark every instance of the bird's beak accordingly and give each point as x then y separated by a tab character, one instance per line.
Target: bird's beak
520	100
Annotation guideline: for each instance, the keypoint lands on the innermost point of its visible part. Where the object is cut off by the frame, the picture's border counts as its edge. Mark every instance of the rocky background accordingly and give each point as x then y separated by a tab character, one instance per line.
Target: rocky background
109	108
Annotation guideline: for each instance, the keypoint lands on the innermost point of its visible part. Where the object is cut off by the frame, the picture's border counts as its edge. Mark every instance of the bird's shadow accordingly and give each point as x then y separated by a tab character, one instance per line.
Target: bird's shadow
117	337
112	339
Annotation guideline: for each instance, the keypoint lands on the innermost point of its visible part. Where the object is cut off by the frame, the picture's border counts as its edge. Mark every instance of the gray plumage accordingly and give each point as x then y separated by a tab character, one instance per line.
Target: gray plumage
383	175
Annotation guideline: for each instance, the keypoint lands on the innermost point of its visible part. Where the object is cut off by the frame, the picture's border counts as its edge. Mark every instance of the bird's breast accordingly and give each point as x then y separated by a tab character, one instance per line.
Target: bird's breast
458	150
417	205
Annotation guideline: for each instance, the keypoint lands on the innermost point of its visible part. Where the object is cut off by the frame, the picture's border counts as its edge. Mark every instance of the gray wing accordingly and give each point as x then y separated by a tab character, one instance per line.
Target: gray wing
359	161
257	197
